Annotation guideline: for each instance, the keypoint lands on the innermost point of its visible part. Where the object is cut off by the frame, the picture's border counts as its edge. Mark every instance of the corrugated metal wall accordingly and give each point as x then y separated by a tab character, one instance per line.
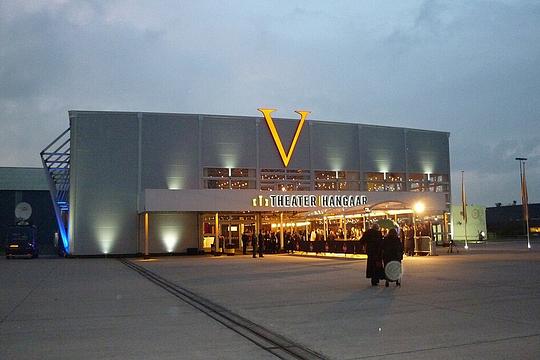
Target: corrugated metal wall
116	155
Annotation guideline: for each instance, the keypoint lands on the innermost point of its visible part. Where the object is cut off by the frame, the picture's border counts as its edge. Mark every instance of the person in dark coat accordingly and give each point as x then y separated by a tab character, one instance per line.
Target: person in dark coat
222	243
409	241
288	242
245	239
254	244
262	239
372	240
392	250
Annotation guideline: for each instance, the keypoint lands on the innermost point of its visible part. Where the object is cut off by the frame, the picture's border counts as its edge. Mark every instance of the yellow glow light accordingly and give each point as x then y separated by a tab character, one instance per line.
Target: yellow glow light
298	224
419	207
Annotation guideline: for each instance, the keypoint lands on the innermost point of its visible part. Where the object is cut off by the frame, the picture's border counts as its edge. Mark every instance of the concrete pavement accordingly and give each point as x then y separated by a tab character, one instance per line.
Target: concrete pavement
481	304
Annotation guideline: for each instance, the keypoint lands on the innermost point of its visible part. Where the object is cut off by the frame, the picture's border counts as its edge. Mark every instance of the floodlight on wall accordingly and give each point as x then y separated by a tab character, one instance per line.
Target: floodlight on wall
170	239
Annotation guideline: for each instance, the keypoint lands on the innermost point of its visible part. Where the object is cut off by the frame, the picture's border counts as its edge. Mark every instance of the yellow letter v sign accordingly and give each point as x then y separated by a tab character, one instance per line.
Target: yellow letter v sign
285	157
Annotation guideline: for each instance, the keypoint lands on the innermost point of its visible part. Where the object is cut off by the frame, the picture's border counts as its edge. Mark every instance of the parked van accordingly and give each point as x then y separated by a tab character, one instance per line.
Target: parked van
21	240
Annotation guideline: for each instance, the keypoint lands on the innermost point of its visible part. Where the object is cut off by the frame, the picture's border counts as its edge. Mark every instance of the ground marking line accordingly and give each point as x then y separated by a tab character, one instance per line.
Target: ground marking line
276	344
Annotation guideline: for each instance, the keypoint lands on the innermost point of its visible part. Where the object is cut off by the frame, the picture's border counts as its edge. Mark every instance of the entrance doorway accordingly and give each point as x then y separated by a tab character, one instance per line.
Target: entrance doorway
437	232
230	227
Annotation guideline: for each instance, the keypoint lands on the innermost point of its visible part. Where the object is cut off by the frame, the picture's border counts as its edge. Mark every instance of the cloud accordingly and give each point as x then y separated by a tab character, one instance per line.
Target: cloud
470	68
492	173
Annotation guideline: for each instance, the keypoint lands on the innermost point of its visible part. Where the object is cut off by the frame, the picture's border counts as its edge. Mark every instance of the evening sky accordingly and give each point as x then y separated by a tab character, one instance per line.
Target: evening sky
471	68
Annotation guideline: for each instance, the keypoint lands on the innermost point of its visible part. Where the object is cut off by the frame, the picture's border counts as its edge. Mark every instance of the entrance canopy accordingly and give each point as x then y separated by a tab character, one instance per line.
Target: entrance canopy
314	202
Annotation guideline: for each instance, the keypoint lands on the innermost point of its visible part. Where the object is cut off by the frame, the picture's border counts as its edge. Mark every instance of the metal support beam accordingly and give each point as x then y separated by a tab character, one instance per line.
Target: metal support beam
56	164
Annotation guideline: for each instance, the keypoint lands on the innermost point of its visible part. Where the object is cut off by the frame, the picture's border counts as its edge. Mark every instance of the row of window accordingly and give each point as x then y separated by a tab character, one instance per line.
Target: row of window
300	180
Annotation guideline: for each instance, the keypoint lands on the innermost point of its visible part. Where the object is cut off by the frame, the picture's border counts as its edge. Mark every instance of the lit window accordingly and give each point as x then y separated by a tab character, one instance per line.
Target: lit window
438	183
380	181
285	180
418	182
216	172
242	173
337	180
225	178
432	182
217	184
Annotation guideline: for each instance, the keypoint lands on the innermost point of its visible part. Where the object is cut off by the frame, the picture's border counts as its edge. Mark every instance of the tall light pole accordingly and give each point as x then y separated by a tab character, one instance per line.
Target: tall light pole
464	207
524	197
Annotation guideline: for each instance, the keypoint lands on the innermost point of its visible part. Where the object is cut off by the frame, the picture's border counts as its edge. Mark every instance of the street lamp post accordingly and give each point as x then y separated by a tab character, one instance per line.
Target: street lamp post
464	207
524	197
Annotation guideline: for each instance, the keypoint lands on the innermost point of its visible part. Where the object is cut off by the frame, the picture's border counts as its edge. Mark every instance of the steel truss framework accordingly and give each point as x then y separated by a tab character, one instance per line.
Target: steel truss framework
56	163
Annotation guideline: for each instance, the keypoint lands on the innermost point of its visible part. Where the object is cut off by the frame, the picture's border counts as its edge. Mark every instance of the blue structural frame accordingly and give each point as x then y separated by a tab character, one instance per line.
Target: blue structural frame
56	163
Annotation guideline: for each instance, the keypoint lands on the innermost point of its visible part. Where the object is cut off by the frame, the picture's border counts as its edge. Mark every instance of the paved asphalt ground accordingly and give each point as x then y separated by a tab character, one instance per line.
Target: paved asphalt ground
483	304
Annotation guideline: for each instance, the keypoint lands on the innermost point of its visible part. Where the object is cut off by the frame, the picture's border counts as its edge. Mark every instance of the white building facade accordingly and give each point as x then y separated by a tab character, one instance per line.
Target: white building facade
132	183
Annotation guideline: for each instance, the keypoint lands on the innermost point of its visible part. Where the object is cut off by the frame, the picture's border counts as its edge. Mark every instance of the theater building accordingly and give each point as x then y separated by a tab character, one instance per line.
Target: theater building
134	183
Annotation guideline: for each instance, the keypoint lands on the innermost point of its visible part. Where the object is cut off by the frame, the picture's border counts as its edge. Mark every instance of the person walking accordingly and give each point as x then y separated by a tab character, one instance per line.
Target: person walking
372	240
392	250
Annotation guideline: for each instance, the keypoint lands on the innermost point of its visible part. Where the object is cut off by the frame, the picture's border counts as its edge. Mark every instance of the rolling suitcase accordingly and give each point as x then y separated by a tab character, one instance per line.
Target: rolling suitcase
393	272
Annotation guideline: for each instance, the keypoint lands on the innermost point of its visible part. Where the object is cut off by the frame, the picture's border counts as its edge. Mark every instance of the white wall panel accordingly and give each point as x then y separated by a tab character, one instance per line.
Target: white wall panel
427	152
382	149
104	181
334	146
169	151
228	142
172	232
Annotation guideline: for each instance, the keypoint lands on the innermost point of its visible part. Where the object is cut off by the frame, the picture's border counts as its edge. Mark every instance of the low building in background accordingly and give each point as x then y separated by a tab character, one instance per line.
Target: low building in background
507	221
29	185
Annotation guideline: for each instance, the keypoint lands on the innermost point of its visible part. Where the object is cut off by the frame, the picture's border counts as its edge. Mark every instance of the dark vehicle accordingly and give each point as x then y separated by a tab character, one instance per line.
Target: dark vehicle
21	241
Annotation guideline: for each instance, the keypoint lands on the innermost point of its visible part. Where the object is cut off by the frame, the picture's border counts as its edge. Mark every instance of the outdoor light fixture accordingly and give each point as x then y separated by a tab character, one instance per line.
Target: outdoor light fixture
170	239
419	207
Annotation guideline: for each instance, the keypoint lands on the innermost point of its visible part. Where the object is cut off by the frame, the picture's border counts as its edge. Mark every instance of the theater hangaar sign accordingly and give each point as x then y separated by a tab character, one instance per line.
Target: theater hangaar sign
309	201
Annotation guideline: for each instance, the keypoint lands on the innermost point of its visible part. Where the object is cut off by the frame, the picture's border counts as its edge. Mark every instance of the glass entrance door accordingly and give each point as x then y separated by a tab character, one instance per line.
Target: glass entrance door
230	227
231	235
437	231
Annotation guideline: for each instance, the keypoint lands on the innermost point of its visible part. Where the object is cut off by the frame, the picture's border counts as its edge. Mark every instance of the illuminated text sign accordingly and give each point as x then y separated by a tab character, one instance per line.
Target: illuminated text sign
306	201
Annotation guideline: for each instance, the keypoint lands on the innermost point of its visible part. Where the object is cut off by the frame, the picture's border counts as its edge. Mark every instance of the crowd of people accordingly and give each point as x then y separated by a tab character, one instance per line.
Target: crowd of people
354	241
266	242
381	245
